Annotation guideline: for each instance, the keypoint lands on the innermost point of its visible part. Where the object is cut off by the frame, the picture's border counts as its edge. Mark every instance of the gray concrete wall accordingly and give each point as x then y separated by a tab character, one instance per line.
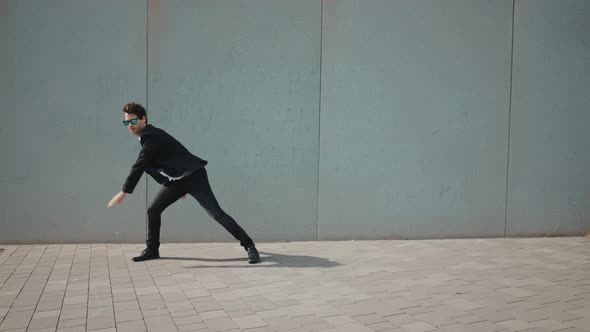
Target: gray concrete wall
414	118
67	66
320	119
238	83
549	178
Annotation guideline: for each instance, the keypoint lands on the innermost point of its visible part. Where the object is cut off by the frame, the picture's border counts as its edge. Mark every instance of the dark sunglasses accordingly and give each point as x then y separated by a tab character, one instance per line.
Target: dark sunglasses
127	122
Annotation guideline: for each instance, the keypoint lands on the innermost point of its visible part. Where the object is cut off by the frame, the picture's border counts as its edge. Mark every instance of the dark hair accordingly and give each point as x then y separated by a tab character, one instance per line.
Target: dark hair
137	109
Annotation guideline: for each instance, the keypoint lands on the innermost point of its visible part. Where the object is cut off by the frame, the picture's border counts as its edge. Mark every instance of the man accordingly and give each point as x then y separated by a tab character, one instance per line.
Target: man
180	172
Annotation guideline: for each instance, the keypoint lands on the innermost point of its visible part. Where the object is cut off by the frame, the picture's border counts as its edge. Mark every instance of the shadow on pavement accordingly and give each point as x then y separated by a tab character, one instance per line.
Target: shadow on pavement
276	260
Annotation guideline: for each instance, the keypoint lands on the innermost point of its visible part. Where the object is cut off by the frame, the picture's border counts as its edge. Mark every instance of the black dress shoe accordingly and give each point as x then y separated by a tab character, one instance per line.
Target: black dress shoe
253	256
147	254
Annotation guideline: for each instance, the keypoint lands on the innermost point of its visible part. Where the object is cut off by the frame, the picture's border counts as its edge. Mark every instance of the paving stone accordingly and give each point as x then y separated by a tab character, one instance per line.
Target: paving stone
220	324
131	326
160	323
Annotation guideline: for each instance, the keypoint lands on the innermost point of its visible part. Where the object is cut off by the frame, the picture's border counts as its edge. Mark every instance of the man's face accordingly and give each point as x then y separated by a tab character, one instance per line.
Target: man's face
136	128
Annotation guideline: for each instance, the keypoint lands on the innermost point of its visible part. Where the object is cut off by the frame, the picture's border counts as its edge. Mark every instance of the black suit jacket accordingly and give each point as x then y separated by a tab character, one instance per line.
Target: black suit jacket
161	151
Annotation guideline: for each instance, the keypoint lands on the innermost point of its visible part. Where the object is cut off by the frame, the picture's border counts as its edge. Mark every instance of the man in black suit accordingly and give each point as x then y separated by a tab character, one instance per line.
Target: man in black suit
180	172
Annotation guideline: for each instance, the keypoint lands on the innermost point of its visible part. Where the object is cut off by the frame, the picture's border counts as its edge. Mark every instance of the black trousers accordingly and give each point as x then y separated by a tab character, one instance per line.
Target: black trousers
196	184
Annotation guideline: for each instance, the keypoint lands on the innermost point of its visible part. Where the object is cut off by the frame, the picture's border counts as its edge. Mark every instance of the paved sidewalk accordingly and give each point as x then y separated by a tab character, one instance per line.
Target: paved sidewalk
535	284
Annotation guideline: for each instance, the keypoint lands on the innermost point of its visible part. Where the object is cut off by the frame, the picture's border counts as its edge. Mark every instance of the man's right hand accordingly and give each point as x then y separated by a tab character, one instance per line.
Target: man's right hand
118	198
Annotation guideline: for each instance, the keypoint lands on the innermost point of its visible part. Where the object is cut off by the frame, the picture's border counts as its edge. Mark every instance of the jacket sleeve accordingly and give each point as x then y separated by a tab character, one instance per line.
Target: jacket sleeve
146	155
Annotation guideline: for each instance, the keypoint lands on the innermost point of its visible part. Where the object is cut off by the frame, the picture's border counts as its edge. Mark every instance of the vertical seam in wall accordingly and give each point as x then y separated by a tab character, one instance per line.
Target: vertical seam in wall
509	120
147	40
319	122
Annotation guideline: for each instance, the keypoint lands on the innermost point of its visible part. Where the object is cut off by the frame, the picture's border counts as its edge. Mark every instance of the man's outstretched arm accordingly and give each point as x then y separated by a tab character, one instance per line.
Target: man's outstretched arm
146	154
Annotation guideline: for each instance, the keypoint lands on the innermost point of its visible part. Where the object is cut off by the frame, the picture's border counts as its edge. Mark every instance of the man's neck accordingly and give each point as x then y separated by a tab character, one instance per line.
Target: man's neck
141	132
